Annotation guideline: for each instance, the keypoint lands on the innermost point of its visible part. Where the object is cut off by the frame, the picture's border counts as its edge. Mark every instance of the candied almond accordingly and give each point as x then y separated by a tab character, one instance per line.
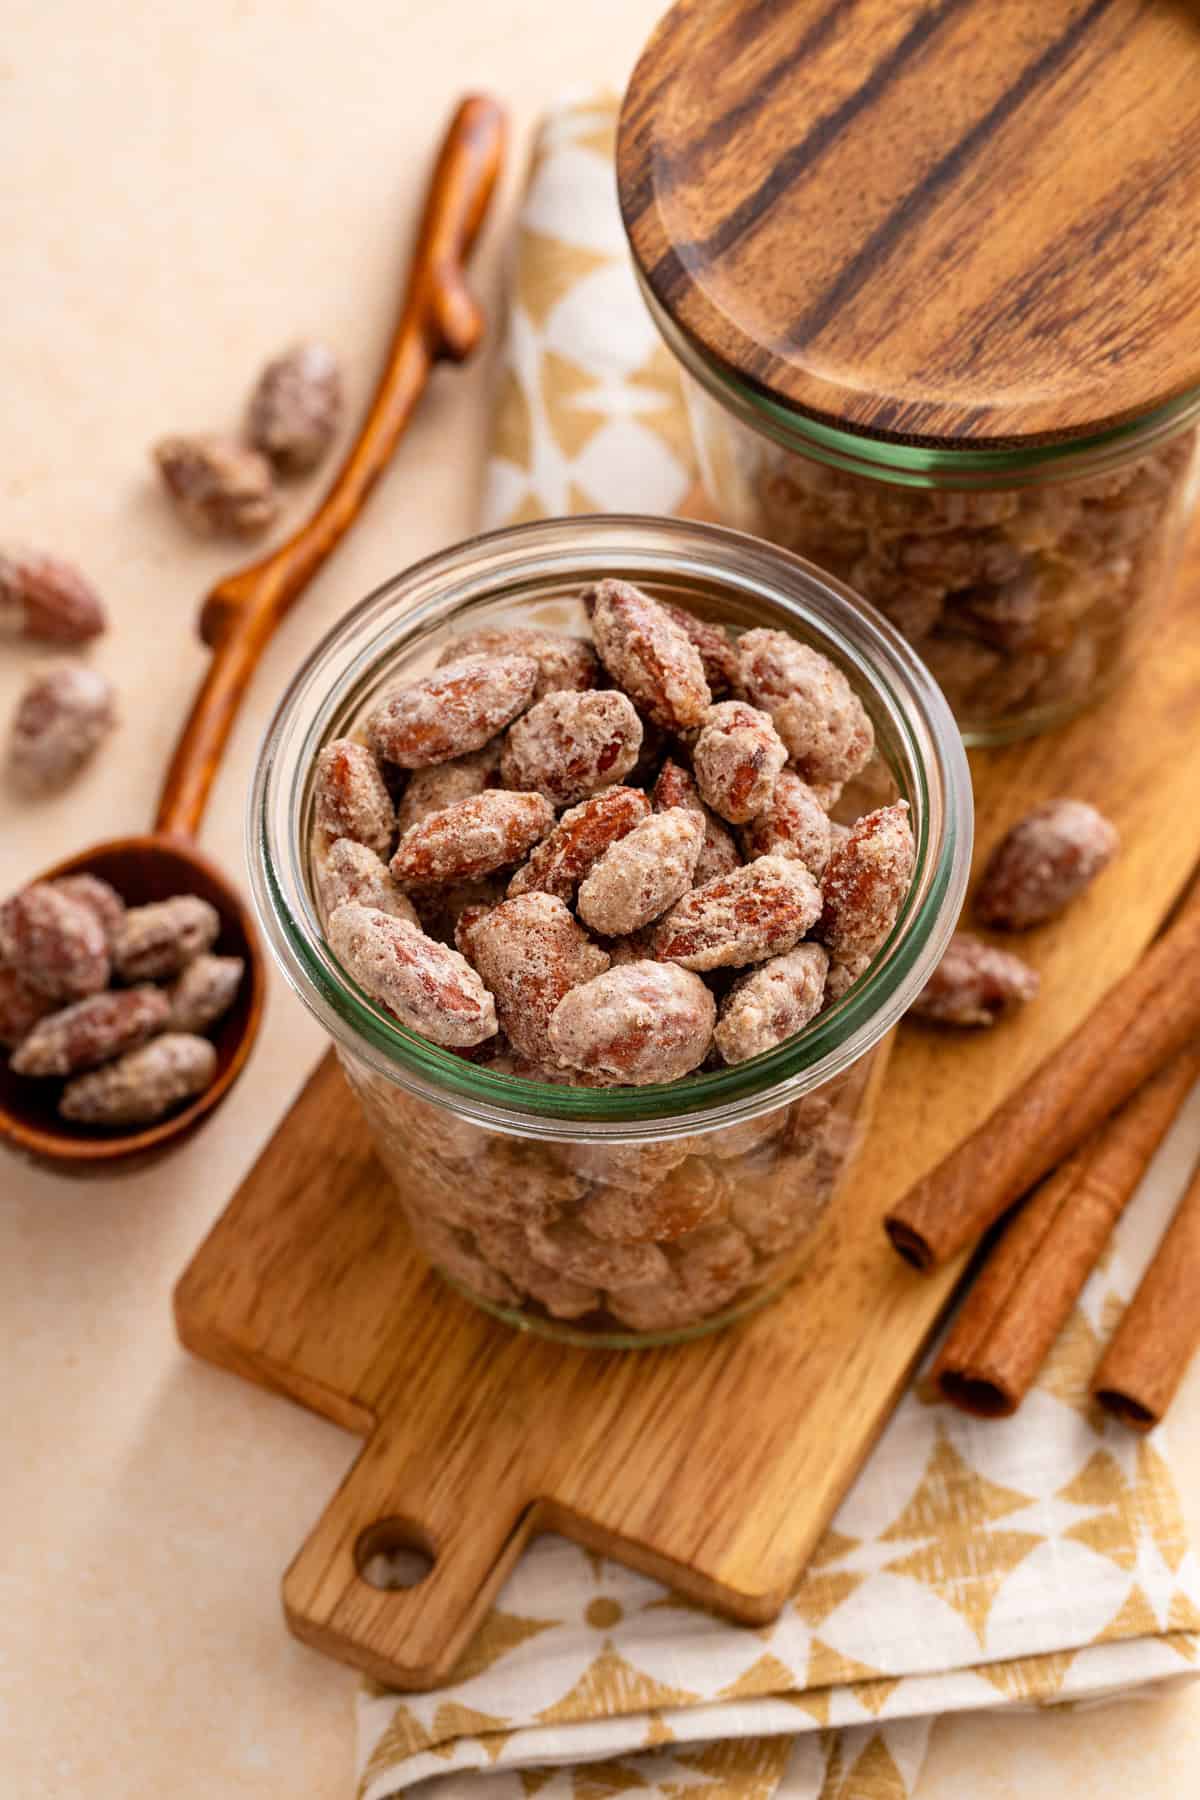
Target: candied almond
1041	865
91	1031
58	946
564	663
648	654
472	838
713	1264
760	910
506	1247
430	988
643	873
143	1084
974	984
569	745
158	939
217	484
686	1198
454	710
814	709
443	784
719	853
864	883
350	799
452	1252
737	758
21	1006
348	872
771	1003
568	1247
62	718
530	952
42	597
440	908
795	823
638	1023
204	992
98	896
842	977
717	654
584	832
295	408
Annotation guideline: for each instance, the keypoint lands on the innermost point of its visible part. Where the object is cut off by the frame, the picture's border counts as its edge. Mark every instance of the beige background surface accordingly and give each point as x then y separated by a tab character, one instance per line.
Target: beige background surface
187	187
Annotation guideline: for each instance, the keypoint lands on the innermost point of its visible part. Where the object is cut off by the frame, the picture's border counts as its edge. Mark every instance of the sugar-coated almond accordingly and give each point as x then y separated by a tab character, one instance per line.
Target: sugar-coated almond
158	939
472	838
1044	863
570	745
974	984
21	1006
758	911
99	896
686	1197
451	712
638	1023
348	872
295	408
794	824
649	655
56	945
815	710
643	873
564	663
91	1031
737	758
445	784
62	718
143	1085
350	799
719	854
717	654
529	952
204	992
772	1003
43	598
584	832
865	881
567	1247
430	988
219	487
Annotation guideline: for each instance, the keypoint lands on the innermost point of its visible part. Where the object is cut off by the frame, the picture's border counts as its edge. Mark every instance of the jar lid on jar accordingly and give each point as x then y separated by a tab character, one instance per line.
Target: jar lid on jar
965	225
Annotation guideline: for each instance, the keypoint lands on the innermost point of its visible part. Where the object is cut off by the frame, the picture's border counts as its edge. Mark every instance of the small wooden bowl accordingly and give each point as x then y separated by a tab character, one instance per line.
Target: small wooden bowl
143	869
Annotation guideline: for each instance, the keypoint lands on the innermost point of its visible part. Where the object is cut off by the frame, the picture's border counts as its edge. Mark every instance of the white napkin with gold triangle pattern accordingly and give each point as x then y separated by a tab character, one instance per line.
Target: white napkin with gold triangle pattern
1036	1561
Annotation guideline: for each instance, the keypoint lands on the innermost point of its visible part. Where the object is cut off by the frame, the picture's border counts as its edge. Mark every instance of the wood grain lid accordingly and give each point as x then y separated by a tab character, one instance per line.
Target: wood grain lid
947	222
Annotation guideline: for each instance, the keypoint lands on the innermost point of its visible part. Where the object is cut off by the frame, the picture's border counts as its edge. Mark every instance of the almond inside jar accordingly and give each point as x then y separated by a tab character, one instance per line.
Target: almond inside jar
602	873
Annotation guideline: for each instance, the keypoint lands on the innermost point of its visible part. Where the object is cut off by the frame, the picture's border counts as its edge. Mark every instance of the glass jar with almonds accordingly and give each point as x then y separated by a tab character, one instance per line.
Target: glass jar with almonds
609	852
931	338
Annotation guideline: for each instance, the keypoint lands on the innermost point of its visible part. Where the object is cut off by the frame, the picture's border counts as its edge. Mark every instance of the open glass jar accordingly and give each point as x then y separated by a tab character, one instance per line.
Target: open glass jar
498	1176
926	273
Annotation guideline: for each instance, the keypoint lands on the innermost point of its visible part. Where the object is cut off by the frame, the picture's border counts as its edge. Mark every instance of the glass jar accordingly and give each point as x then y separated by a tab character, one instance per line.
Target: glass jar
930	273
532	1198
1028	580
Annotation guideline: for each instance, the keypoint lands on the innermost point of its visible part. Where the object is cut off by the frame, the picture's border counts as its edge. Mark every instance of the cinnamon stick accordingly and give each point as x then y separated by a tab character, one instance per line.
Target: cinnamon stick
1026	1289
1159	1333
1141	1023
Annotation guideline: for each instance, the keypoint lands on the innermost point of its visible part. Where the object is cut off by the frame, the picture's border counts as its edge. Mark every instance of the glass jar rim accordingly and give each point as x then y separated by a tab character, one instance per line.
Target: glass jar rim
908	464
577	550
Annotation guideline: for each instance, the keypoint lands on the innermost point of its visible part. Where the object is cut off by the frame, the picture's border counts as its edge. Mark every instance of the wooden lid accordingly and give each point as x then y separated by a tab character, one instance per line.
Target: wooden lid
963	222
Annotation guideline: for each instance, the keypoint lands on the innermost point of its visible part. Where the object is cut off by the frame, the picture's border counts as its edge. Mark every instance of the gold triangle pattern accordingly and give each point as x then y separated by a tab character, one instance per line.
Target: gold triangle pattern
1182	1614
564	383
1029	1677
499	1633
1067	1371
611	1687
534	1780
819	1595
874	1695
453	1720
658	1732
512	429
875	1775
737	1768
601	1781
766	1676
1135	1619
404	1737
828	1667
548	268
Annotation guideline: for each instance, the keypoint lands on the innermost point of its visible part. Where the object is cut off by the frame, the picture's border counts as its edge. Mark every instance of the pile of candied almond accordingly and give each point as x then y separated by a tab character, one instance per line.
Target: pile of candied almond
608	863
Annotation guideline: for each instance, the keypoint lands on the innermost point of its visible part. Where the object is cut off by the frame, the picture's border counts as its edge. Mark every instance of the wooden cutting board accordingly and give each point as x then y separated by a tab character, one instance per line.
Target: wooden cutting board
714	1466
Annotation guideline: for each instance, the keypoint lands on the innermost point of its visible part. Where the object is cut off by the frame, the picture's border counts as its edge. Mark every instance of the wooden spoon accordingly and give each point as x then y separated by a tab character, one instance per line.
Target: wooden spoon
440	320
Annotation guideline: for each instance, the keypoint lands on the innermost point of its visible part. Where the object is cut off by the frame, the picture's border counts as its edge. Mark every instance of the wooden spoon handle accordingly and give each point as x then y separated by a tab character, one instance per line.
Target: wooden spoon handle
440	320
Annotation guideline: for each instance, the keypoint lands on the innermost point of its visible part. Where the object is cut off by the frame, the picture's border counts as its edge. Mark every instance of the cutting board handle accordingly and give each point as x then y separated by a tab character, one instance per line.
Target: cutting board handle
407	1637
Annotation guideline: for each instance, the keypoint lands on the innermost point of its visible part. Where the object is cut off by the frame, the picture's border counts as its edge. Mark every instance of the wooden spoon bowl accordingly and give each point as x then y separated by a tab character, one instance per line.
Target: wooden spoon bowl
142	869
439	321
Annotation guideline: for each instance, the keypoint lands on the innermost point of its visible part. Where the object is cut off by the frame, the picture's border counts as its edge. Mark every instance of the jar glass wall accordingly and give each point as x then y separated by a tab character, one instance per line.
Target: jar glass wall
616	1215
